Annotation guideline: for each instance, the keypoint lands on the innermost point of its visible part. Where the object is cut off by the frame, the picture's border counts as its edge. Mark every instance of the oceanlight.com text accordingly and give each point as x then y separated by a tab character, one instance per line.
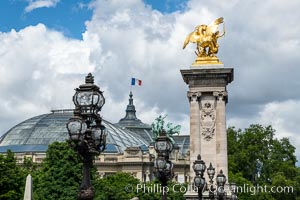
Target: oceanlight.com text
246	188
183	188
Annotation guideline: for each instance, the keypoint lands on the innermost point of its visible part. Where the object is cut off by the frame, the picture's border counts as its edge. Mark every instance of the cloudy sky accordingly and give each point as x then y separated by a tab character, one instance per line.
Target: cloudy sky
48	46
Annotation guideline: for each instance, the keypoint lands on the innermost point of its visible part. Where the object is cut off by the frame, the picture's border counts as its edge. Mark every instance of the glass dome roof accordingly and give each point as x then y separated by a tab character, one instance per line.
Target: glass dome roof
36	133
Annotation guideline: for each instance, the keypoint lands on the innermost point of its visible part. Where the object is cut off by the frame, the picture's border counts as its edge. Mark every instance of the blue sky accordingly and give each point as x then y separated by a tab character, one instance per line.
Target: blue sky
67	16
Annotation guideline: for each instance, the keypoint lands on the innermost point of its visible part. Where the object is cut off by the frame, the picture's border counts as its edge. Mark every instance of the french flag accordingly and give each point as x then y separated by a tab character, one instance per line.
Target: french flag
135	81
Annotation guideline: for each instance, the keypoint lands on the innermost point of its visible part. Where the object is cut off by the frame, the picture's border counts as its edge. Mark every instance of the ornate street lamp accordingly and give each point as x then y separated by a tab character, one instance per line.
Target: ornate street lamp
163	145
199	166
199	181
221	180
164	167
86	133
233	188
89	99
211	173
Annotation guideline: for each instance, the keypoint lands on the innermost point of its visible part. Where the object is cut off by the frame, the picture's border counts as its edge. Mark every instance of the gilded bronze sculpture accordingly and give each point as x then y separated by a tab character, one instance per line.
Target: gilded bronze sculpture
206	37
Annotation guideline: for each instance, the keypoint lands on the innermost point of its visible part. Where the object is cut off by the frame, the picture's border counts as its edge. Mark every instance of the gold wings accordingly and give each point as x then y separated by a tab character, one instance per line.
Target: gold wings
213	27
207	31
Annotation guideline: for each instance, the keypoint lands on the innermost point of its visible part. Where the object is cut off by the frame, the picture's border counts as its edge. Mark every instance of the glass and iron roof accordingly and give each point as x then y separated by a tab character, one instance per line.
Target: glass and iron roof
35	134
183	141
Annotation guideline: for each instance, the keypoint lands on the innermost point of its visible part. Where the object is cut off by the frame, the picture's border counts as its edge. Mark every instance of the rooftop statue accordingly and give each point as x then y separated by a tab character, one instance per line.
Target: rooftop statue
158	128
206	37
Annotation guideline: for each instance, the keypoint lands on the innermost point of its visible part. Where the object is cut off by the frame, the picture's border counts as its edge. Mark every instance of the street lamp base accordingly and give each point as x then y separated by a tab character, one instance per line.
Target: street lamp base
86	194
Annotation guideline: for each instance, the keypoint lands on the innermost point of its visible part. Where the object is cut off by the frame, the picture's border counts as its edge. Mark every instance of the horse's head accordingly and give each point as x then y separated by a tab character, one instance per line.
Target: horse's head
202	29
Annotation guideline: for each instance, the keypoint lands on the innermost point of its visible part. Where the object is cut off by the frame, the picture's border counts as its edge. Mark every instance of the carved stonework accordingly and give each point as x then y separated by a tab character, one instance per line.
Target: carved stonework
132	152
193	96
188	155
110	159
221	95
208	120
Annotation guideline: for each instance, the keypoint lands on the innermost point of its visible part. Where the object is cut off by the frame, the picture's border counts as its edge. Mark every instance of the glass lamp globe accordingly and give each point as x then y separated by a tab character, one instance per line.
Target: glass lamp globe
211	171
89	99
163	145
169	166
160	164
199	182
88	96
99	135
233	186
199	166
76	128
221	179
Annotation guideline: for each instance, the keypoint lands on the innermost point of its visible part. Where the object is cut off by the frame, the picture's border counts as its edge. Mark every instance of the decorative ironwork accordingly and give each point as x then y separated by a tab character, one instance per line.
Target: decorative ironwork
163	166
86	133
218	192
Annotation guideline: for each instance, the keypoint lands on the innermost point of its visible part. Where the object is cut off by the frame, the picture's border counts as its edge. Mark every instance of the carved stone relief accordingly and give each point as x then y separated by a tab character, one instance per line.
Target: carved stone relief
208	120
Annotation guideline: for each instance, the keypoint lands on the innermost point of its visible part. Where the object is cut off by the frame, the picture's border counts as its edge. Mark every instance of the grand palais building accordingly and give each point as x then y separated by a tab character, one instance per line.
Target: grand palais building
129	144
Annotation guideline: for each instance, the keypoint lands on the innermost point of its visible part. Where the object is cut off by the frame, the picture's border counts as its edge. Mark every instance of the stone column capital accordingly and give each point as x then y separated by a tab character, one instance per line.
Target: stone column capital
221	95
193	96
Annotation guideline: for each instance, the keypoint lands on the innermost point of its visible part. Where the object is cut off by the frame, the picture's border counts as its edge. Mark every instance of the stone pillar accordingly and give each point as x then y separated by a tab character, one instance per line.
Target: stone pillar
194	98
221	145
208	97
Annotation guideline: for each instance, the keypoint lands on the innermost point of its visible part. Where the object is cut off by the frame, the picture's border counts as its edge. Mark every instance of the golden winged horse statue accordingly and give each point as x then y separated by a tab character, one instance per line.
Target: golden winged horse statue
206	37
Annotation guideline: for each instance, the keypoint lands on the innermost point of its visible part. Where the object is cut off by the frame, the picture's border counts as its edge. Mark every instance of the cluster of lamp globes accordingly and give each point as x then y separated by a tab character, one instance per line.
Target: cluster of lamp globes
163	147
85	128
199	181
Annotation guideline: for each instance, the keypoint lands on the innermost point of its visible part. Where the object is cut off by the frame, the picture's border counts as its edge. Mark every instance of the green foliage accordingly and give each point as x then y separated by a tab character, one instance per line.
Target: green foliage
278	158
123	186
153	191
116	187
28	165
12	178
298	184
60	174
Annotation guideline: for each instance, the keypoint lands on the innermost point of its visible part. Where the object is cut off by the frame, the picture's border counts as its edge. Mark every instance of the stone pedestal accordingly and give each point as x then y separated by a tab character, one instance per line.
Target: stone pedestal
208	97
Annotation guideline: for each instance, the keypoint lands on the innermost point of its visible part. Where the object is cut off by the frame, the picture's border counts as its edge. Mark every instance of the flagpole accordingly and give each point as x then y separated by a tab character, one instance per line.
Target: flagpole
131	86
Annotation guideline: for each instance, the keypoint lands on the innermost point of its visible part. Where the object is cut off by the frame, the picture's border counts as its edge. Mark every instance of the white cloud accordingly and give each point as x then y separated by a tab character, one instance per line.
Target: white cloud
282	116
127	39
40	69
35	4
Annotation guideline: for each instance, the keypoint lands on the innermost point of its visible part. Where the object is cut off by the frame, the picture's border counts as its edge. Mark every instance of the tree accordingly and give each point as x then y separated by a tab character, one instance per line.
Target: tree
123	186
298	184
12	178
152	191
256	146
116	187
60	174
